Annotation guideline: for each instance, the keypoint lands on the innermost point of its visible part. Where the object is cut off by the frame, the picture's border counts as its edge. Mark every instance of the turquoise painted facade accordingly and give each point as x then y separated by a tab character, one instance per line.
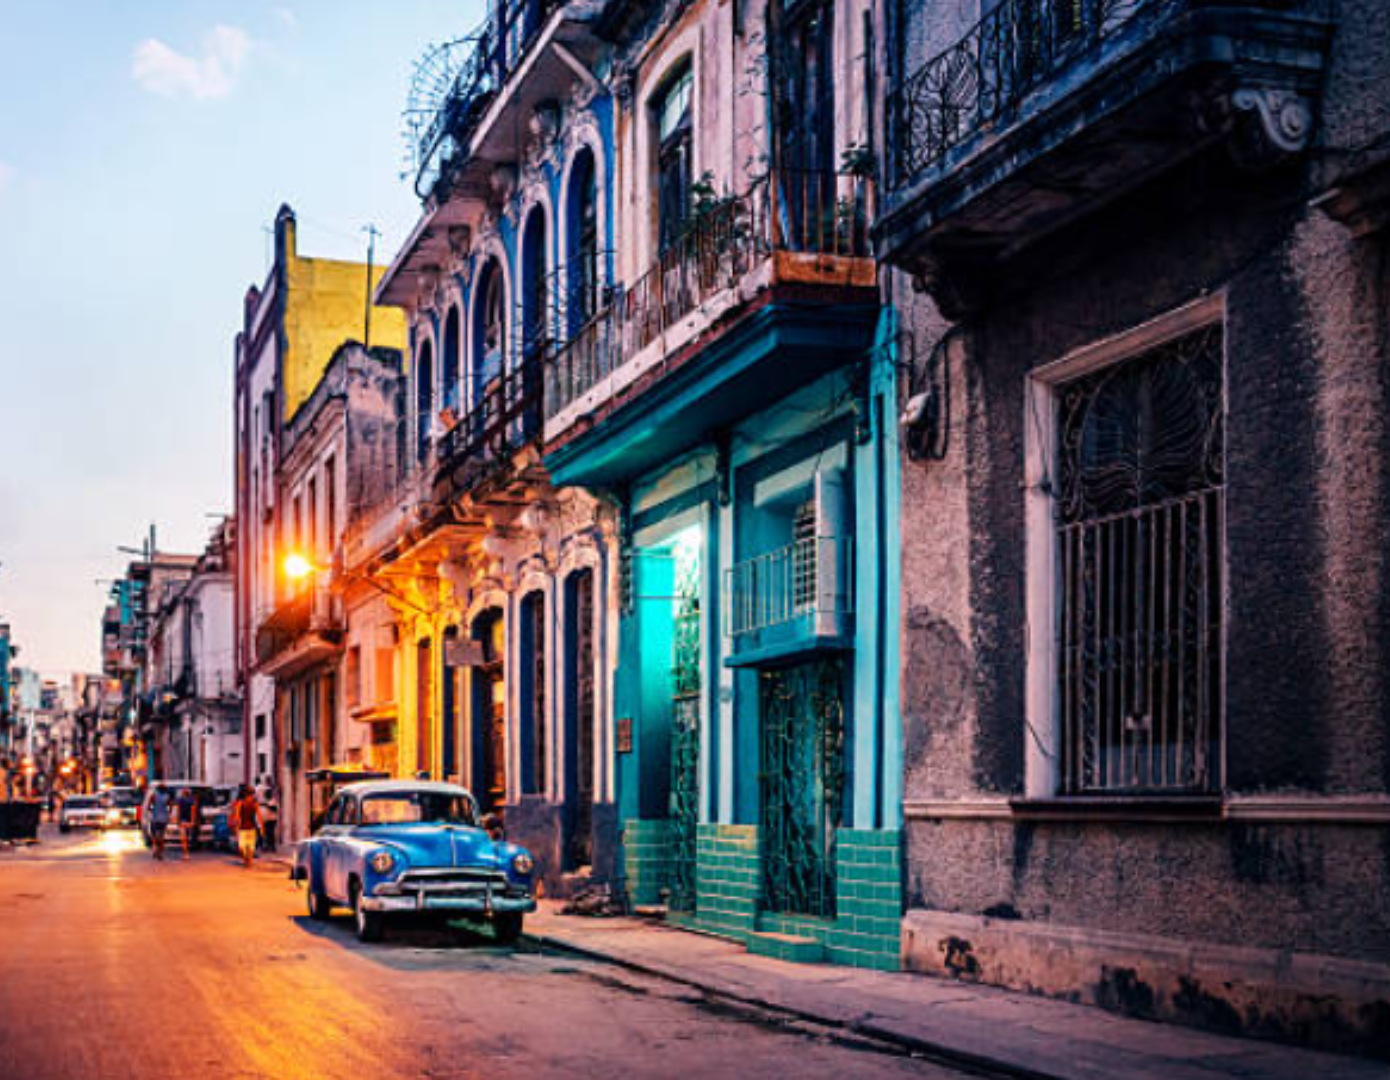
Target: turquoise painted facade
726	456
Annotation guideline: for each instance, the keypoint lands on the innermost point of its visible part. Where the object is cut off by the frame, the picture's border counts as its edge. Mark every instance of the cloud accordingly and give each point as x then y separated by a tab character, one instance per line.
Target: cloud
287	16
169	73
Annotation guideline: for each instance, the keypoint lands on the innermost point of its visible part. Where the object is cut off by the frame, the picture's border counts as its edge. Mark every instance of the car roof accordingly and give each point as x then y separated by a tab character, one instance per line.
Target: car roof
394	787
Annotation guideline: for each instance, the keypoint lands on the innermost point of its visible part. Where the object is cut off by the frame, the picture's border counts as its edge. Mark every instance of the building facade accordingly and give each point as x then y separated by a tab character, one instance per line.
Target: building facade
337	462
191	675
293	324
1145	493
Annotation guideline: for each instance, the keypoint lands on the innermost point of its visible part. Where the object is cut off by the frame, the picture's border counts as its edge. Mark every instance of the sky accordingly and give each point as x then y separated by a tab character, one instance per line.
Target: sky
145	146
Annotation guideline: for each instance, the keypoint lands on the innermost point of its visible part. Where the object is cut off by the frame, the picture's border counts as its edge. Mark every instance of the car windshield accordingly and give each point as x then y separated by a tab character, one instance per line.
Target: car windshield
406	807
120	799
81	802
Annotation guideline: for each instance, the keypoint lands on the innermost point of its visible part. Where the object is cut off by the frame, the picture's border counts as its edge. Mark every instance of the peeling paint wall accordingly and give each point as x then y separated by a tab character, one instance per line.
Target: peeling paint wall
1308	652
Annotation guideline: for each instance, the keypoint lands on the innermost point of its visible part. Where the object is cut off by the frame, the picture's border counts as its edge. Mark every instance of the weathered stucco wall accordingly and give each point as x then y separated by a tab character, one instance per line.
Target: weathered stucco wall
1308	502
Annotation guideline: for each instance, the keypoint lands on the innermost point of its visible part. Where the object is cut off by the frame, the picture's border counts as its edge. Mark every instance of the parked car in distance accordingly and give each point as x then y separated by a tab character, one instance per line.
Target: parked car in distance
120	806
413	847
215	810
81	812
201	791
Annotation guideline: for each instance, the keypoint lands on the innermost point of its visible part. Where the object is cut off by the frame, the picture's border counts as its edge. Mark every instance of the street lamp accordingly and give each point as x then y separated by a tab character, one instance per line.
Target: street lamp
298	567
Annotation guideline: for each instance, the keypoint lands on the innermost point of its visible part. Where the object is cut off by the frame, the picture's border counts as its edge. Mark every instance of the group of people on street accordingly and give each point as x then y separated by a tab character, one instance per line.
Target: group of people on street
251	821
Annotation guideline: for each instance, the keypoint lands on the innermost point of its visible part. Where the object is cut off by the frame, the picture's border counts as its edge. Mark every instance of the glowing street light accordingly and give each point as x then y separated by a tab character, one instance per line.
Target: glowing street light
297	567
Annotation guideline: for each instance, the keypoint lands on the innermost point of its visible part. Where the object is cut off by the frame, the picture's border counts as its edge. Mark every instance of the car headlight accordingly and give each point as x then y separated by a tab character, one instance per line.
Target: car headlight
523	863
382	862
113	815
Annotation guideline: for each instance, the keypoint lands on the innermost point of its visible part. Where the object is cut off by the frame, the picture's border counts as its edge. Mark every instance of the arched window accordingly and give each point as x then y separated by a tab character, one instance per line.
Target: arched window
582	278
489	328
449	376
535	277
424	399
671	116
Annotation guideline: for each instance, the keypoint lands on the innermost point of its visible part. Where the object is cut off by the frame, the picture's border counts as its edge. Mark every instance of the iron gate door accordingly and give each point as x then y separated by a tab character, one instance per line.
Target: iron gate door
685	738
803	756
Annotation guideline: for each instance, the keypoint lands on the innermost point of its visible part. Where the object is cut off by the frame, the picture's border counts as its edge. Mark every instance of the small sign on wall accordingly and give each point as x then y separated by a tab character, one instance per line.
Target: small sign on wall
624	735
459	652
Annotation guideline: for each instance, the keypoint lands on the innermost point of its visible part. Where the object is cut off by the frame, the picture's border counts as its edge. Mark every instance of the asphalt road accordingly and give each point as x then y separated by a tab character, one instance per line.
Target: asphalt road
114	966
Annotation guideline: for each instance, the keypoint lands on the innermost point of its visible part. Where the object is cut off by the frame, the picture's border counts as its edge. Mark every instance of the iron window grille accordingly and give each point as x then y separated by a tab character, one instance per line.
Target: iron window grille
1140	528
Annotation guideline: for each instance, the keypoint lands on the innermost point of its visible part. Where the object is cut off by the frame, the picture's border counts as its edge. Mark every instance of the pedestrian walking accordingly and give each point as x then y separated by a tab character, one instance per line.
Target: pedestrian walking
270	813
187	808
161	806
247	822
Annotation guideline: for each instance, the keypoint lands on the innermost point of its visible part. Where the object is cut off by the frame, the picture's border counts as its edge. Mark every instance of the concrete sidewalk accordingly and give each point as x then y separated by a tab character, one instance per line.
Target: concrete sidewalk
980	1026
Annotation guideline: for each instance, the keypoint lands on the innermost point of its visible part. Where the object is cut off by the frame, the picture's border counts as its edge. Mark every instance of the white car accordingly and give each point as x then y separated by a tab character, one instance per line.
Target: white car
81	812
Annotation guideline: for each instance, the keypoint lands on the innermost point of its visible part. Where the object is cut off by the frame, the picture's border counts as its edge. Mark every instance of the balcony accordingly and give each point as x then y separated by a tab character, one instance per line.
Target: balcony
527	53
303	631
483	444
1047	110
792	601
795	241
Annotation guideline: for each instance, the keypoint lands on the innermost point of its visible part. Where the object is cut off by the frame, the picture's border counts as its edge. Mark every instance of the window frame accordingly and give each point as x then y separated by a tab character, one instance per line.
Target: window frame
1043	725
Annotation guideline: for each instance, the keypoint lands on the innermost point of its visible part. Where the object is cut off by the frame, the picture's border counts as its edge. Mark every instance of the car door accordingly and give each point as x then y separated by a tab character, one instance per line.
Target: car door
331	850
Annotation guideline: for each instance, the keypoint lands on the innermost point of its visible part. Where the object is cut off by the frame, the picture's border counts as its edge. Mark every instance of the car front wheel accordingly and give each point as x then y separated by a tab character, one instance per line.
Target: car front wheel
506	925
370	925
319	907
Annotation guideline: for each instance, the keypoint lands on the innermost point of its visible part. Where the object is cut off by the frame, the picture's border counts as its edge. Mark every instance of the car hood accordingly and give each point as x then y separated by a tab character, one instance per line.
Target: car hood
437	845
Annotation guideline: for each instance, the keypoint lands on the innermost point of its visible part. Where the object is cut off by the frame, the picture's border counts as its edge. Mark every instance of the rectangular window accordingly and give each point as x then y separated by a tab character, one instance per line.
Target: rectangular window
312	514
674	158
384	677
424	706
330	497
354	677
1137	540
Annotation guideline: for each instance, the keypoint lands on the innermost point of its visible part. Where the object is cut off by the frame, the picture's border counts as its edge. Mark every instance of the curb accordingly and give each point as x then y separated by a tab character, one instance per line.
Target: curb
943	1055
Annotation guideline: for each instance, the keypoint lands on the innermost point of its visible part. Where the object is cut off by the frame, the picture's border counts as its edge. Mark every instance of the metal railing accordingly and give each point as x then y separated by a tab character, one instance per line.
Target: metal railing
1141	635
821	214
1010	52
809	577
507	415
484	60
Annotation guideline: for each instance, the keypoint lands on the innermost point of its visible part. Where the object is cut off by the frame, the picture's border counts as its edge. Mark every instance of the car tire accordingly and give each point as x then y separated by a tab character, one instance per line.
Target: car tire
506	926
369	924
319	907
65	827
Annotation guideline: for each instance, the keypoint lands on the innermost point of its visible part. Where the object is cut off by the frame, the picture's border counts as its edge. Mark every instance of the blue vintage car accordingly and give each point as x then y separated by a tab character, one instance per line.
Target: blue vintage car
397	847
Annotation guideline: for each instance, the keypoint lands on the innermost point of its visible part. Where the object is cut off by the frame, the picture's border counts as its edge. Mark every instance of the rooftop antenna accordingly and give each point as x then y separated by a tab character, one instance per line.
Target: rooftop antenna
372	233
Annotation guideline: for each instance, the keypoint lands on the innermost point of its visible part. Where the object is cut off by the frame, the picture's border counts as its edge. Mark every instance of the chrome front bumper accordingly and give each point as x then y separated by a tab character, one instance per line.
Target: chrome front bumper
483	900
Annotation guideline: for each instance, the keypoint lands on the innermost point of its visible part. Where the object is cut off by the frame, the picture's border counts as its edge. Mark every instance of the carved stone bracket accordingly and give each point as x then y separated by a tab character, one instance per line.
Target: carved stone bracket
1269	125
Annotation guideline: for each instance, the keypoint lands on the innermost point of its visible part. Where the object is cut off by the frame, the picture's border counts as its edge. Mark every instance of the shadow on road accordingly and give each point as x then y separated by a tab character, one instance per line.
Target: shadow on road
407	942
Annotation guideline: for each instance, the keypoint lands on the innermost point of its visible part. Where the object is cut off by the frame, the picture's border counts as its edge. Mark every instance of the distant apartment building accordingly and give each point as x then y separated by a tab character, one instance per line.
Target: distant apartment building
193	694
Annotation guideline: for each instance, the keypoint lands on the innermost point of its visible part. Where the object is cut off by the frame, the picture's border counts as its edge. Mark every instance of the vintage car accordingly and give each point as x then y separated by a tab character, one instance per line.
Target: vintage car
413	847
120	805
81	812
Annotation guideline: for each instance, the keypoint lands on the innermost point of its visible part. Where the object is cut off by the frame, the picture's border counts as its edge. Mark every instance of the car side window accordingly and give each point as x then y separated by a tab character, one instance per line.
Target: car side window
334	813
351	812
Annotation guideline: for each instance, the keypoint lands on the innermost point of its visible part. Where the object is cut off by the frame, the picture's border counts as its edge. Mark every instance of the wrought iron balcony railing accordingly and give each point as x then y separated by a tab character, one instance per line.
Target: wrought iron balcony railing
819	214
808	579
506	417
1010	52
474	68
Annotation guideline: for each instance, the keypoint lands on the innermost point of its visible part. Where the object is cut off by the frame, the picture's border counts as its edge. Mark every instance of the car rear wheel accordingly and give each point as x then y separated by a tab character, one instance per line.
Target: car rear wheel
506	925
370	925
